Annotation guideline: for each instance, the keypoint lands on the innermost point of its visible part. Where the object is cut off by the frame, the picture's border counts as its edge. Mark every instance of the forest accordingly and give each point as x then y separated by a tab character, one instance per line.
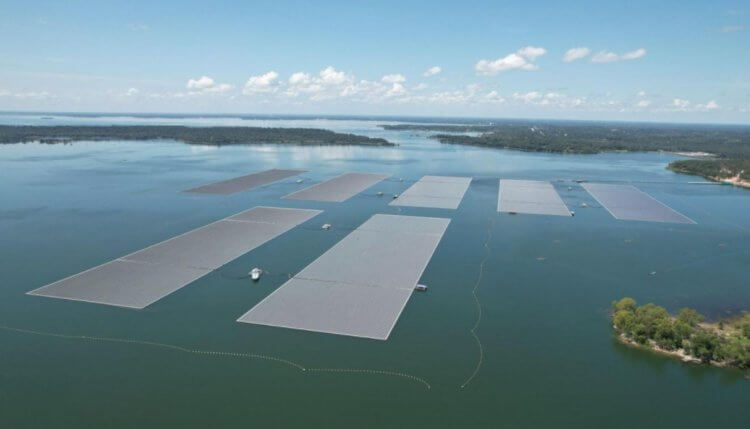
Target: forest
215	136
729	145
725	343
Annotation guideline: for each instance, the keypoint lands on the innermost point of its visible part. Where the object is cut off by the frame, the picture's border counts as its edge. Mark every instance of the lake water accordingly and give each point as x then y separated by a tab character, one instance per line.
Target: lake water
547	356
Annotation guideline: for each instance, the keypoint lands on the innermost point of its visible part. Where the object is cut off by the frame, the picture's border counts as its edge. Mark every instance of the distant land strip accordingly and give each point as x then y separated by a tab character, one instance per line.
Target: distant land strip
723	151
213	136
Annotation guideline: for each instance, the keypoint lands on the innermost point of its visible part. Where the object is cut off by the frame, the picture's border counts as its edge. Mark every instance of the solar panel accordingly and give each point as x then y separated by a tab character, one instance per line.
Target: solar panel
626	202
442	192
339	188
360	286
244	183
530	197
143	277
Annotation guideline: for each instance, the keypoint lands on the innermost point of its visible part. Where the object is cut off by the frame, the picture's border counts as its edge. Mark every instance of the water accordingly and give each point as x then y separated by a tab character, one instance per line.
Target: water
548	357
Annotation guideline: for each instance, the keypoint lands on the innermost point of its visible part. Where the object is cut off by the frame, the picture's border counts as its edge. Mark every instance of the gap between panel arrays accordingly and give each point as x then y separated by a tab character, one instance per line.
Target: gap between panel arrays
626	202
244	183
440	192
530	197
360	286
143	277
339	188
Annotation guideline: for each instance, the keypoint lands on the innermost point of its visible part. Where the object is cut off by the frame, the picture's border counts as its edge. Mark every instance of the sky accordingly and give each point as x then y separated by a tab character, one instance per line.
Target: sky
665	61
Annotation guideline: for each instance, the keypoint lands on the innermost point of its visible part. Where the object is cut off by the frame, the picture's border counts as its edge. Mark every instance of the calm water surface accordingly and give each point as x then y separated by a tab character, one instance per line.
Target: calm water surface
547	356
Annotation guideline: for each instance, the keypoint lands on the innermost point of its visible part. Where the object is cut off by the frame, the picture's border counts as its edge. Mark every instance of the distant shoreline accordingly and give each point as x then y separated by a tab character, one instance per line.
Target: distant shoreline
212	136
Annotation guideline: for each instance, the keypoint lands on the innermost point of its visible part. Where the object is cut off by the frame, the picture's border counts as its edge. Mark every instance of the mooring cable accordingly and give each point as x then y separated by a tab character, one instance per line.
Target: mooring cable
473	330
220	353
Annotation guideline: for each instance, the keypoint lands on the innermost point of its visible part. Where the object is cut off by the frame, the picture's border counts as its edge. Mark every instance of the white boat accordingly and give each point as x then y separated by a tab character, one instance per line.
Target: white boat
299	180
395	196
326	226
380	193
255	274
420	288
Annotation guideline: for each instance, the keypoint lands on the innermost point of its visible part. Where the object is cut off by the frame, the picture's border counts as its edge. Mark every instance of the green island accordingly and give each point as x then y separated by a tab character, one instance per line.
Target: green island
214	136
723	151
686	336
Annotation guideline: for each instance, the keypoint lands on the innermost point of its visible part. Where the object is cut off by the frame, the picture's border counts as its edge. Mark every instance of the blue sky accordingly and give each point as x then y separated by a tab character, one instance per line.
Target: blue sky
638	60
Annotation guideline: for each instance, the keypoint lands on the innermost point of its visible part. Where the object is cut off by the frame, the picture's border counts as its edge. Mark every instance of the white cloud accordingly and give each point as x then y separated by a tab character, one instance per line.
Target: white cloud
432	71
419	87
396	90
532	52
643	104
393	78
132	92
576	54
680	104
605	57
711	105
633	55
641	93
264	83
29	95
610	57
519	60
331	76
201	83
205	84
527	97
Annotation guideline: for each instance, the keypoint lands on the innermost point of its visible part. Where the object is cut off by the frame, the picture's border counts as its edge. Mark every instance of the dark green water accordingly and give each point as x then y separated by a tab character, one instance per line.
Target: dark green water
548	357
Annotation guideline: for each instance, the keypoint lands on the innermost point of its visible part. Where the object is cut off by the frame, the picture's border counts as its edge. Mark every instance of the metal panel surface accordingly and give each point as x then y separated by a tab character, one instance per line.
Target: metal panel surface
338	189
244	183
530	197
360	286
143	277
442	192
626	202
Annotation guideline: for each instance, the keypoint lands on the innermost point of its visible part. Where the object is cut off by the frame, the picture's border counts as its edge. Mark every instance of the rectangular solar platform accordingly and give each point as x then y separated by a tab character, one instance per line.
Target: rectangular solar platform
440	192
530	197
244	183
144	277
361	285
626	202
339	188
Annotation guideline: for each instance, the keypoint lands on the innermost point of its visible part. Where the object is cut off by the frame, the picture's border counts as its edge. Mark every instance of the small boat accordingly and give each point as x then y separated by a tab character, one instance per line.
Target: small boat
255	274
572	213
299	180
380	193
420	288
570	188
584	205
395	196
326	226
512	213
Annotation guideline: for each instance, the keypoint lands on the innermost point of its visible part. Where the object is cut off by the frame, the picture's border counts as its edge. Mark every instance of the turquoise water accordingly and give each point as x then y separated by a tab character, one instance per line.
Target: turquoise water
547	353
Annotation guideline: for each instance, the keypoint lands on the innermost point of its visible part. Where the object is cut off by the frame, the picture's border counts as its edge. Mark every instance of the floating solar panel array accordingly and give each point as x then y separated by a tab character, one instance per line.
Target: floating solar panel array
530	196
339	188
142	278
441	192
627	202
244	183
360	286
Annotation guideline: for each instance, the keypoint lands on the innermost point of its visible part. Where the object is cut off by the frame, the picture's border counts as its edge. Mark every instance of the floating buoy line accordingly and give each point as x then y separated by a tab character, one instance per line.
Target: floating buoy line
220	354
